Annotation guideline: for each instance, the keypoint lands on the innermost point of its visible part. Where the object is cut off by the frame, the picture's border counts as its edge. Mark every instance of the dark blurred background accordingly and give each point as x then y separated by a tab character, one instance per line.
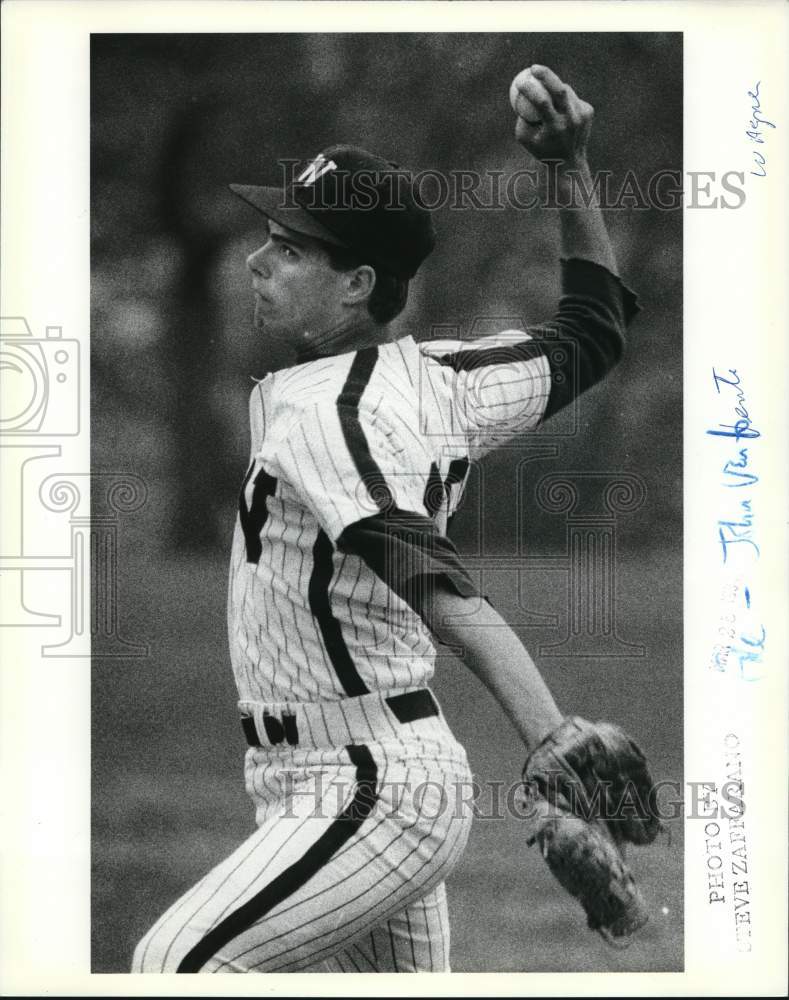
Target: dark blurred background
175	118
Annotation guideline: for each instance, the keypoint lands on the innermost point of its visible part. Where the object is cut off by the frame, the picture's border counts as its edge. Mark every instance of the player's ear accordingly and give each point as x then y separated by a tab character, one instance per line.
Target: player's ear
359	284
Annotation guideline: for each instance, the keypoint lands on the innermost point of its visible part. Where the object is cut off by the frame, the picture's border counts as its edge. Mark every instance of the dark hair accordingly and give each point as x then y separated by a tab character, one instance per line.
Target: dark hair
390	293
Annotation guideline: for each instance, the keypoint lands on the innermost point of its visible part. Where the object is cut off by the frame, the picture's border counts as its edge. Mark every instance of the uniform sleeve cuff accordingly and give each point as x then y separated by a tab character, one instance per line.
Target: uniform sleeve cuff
585	277
406	551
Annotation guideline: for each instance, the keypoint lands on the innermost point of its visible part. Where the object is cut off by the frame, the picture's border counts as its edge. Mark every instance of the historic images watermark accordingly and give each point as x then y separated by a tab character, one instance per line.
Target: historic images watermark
323	185
41	380
321	796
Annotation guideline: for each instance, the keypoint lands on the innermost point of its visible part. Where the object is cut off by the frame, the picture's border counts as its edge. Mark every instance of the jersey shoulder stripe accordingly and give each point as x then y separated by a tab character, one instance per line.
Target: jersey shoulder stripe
473	356
358	379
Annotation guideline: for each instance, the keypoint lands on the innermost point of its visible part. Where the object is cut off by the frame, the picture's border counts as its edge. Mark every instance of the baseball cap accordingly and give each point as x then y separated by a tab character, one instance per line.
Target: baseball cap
351	198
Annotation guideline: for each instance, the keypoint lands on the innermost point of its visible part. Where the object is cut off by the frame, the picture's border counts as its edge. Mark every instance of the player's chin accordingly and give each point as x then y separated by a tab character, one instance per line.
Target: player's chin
272	330
265	318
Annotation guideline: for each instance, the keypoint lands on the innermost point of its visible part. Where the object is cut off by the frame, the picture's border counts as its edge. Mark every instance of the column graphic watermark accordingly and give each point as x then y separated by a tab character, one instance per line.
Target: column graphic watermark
40	383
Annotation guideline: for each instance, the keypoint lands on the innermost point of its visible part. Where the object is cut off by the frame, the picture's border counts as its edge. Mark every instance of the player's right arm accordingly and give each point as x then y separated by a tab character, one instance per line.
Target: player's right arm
596	307
560	137
509	383
512	382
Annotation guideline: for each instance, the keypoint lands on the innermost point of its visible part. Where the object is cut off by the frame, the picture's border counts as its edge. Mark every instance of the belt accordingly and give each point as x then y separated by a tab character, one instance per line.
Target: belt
367	718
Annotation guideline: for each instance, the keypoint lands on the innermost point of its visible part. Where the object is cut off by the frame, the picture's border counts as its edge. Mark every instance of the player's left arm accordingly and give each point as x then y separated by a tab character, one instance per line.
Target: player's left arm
493	652
577	774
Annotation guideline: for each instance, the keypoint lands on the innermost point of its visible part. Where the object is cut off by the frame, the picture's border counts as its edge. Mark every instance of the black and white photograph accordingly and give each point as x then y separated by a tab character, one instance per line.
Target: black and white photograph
388	328
393	419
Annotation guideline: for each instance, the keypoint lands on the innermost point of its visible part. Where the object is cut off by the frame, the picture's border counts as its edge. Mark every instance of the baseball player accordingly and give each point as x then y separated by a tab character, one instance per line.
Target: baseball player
342	576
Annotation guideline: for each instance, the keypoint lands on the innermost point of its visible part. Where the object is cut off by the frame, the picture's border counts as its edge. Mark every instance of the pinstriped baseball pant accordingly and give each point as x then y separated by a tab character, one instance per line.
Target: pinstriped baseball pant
345	871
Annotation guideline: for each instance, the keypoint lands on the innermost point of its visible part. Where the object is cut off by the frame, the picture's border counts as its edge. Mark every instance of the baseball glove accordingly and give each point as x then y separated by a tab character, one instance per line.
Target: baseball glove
586	792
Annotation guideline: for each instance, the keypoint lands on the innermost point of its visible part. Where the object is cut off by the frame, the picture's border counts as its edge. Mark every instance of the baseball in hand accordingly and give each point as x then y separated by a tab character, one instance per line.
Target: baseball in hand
521	105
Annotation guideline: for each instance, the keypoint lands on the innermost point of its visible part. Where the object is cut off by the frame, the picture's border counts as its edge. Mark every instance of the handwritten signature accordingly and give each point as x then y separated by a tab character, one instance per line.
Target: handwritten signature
754	133
737	470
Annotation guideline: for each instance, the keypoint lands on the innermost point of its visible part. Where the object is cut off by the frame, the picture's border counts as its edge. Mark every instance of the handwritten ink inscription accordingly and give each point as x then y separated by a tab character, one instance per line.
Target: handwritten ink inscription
755	131
741	636
738	527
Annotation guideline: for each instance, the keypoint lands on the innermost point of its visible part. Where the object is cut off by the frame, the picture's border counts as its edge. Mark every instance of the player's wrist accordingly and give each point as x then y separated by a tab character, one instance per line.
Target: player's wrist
572	184
572	169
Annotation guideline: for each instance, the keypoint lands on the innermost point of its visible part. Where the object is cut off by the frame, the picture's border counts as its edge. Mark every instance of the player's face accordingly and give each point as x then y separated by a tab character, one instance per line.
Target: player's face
298	296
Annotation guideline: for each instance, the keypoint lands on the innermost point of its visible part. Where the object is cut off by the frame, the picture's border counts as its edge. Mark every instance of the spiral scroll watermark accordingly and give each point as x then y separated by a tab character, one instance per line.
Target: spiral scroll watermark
591	502
94	504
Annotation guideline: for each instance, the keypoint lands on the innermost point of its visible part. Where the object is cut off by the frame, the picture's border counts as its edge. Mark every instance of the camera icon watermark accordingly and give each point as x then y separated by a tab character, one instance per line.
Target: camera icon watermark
39	381
500	382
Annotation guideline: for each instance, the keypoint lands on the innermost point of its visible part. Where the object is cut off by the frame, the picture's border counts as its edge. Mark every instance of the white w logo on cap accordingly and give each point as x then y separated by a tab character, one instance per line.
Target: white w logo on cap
319	166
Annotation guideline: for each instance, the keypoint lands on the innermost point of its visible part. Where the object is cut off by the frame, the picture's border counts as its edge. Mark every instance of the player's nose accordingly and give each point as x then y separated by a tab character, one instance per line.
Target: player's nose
256	262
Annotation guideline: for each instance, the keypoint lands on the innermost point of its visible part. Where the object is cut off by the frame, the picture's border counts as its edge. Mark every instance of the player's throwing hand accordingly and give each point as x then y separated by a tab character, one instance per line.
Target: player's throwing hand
553	122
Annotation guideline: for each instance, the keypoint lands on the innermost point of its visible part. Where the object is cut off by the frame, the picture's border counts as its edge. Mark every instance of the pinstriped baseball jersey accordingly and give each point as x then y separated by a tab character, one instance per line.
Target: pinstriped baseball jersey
357	462
339	442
